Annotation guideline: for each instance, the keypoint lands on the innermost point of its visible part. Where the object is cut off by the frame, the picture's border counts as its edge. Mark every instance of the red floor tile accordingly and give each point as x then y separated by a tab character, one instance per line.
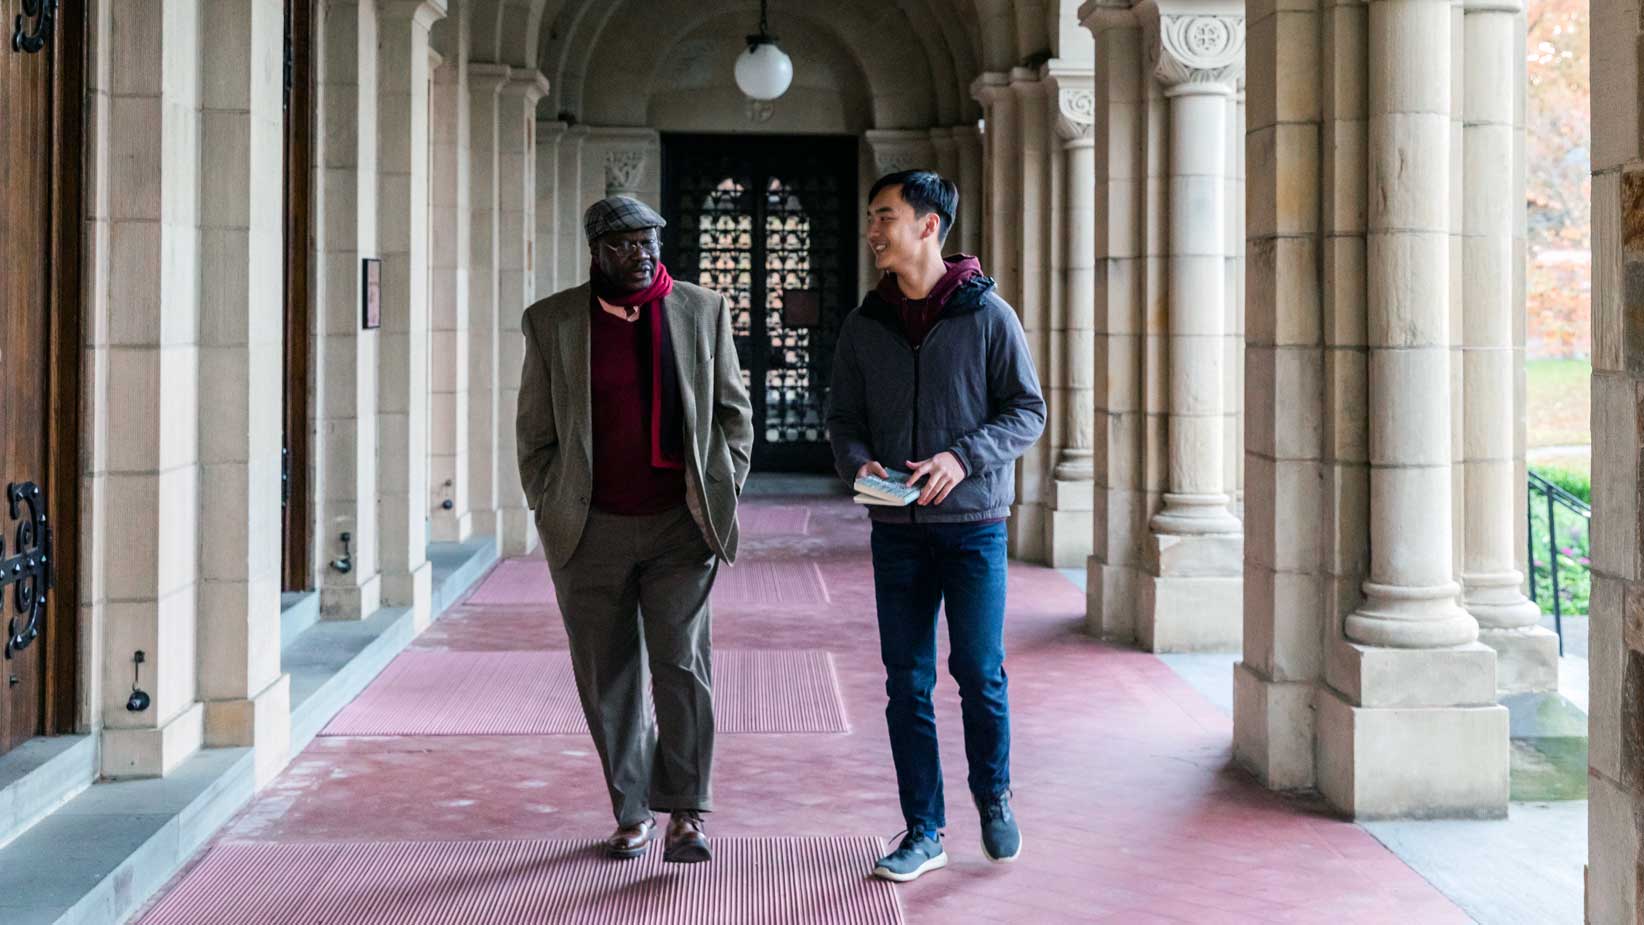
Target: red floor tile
1131	809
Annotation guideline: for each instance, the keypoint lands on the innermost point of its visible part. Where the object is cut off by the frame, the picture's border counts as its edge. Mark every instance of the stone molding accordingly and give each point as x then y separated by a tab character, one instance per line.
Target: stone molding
526	82
624	167
1076	114
422	12
898	149
988	85
1199	50
487	77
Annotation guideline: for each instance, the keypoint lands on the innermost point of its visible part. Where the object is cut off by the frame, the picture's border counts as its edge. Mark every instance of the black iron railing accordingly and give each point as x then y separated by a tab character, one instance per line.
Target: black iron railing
1554	499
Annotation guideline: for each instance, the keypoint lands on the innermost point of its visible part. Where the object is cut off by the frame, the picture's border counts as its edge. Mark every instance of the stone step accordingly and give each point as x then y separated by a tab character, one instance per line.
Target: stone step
41	775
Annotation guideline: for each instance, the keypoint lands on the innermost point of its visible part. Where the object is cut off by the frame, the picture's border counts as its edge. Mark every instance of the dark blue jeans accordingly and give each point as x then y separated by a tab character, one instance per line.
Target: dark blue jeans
916	569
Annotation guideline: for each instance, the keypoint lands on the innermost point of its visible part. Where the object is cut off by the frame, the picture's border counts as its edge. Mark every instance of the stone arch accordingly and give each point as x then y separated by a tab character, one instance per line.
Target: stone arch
578	36
830	92
505	31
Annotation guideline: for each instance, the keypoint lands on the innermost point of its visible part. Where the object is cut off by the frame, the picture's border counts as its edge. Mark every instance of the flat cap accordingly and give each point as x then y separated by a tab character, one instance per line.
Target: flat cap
618	213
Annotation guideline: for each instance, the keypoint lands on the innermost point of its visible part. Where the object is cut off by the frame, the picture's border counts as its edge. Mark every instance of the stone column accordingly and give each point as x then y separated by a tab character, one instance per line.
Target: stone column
516	289
1289	488
449	246
1121	502
1192	599
402	243
484	464
624	169
1003	181
1492	585
148	392
946	162
1069	526
247	698
547	260
346	354
1410	686
968	140
1030	219
573	200
1615	778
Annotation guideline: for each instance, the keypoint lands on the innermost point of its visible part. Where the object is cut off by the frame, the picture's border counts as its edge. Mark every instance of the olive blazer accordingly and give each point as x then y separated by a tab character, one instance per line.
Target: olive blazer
556	455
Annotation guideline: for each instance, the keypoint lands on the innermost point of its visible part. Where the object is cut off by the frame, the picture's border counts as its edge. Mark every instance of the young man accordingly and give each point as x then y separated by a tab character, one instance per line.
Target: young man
955	401
634	434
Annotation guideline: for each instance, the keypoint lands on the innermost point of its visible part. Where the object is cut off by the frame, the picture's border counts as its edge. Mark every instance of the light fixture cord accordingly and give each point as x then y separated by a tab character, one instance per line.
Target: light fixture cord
764	24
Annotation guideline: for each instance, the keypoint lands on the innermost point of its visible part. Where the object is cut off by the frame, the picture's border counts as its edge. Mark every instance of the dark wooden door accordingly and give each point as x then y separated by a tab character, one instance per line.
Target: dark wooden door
294	492
770	222
39	230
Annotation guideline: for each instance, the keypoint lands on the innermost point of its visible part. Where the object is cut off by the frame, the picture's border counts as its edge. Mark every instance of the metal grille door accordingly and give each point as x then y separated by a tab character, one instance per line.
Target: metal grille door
768	222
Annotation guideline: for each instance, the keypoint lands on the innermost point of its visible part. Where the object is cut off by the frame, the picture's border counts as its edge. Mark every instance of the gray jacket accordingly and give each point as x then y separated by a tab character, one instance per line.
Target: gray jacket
969	388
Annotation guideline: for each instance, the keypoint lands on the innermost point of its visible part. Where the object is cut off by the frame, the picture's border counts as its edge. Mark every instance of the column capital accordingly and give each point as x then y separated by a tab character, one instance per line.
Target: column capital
1194	47
896	150
1072	93
550	131
623	169
526	82
420	12
485	77
988	85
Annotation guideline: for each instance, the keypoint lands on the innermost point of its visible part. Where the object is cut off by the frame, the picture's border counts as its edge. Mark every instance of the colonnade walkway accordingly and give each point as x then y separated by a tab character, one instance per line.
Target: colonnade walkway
1131	809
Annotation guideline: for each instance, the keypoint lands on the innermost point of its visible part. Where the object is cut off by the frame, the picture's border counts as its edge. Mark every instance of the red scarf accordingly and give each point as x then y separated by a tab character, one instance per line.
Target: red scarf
667	444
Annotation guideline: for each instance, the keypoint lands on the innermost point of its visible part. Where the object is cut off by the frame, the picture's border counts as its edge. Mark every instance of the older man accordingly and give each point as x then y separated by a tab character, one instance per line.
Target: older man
634	436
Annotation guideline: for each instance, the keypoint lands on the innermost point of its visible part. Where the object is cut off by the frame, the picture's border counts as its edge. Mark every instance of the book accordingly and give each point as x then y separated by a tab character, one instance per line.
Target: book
890	492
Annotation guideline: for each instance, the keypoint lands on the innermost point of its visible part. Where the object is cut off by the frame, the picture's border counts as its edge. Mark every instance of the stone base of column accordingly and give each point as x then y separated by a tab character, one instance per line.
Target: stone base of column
1110	601
516	531
1615	857
1432	709
128	753
262	721
448	529
351	601
1025	532
1070	524
1273	729
1526	659
1193	600
414	590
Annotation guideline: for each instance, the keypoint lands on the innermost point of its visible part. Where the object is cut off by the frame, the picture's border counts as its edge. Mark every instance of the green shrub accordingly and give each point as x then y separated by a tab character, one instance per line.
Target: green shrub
1573	557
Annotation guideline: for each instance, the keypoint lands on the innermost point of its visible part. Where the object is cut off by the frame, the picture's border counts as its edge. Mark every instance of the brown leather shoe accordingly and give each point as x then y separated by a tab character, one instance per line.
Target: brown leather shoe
687	842
630	841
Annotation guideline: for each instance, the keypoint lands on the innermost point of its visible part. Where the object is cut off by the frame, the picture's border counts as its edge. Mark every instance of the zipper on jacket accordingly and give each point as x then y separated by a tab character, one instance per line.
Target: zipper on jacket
913	438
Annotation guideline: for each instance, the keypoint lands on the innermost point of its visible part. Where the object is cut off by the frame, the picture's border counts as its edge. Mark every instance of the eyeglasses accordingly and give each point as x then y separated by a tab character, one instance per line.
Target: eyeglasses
631	248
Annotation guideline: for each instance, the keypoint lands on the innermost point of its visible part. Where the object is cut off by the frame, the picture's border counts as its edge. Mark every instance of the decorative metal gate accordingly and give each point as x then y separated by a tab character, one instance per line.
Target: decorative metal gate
770	223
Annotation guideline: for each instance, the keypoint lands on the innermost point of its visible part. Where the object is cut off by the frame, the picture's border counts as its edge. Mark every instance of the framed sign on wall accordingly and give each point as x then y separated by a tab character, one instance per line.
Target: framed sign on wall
371	292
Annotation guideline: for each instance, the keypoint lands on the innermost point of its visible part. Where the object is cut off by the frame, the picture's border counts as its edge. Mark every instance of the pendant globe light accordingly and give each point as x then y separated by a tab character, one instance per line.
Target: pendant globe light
764	71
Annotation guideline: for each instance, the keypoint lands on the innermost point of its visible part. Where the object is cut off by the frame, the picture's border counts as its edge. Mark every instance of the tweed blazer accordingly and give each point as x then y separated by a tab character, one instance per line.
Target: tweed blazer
555	430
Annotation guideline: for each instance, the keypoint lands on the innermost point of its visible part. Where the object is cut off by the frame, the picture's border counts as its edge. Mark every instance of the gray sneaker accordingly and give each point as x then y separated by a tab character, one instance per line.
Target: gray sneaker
919	852
1001	838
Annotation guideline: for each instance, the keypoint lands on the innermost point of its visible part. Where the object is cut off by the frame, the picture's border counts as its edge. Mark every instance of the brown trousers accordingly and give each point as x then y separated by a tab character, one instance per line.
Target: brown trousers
634	597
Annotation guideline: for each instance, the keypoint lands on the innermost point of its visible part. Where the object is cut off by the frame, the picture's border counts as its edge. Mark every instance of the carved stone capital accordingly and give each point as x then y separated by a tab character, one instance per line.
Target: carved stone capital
896	150
1075	114
624	168
1195	51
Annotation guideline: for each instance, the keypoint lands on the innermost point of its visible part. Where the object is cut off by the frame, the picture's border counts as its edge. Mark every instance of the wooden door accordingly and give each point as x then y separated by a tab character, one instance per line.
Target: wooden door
294	492
40	110
787	206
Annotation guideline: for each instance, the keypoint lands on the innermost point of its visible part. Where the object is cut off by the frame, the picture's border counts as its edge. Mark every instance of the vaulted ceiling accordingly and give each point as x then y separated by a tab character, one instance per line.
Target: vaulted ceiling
925	49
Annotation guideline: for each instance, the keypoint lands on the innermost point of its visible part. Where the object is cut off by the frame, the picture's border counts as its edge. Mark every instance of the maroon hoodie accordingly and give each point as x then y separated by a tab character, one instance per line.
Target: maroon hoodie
919	314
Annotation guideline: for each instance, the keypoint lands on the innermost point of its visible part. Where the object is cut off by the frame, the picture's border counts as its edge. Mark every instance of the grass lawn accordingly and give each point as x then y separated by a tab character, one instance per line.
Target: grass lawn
1558	398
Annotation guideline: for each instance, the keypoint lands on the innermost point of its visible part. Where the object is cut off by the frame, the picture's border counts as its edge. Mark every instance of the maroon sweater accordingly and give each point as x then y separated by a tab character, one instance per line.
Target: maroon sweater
919	315
619	366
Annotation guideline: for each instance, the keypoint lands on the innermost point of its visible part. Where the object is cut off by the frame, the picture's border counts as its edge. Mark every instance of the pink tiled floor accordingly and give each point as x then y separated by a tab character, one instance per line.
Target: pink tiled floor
1130	807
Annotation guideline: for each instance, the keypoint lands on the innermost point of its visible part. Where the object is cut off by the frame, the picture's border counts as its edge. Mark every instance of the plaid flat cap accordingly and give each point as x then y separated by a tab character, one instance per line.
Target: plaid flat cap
618	213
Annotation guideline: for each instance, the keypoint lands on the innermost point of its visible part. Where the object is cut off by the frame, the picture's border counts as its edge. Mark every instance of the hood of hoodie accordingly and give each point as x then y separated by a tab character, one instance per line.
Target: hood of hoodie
959	290
960	268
